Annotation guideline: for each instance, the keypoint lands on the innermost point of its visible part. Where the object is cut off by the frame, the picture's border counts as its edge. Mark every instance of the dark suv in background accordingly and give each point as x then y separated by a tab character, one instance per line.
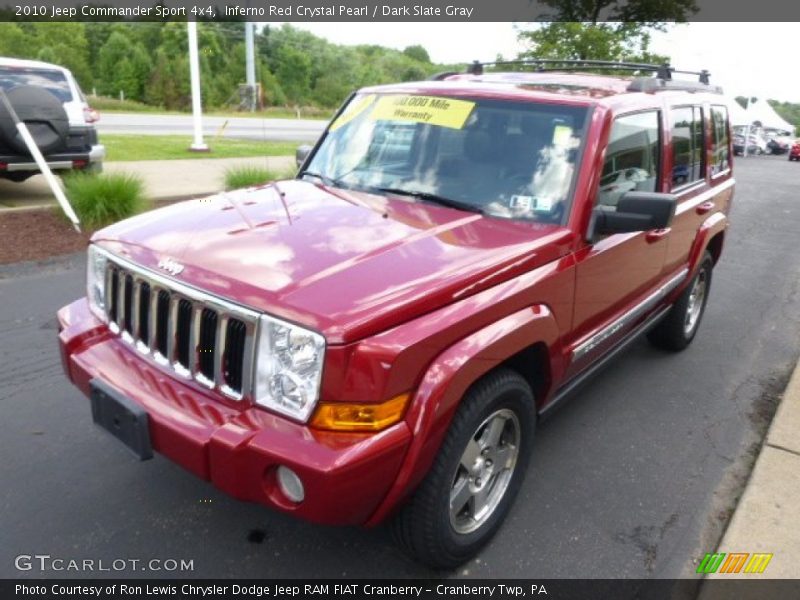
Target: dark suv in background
48	99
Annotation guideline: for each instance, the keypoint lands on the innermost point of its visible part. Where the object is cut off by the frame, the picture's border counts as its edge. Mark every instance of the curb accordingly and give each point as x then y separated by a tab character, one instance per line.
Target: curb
167	180
767	517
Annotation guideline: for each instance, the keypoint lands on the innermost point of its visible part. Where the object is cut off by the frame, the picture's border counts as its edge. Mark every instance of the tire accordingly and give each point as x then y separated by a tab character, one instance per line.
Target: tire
677	330
44	115
498	412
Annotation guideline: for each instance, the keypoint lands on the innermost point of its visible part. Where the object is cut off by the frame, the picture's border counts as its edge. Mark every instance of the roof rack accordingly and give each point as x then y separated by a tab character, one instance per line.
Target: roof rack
662	80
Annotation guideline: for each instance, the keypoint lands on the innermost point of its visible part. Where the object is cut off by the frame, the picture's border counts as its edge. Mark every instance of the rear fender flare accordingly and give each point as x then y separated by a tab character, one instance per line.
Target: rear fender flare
449	377
715	224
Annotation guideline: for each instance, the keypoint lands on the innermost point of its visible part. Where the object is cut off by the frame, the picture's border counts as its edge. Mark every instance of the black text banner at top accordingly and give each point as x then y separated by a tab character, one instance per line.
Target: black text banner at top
398	10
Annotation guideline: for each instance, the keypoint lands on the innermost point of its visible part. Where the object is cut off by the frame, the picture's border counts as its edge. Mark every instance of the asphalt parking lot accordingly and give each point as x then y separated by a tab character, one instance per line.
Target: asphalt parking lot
635	477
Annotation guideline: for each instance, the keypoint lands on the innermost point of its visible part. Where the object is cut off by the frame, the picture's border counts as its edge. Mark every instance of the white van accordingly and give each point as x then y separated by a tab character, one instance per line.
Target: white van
48	99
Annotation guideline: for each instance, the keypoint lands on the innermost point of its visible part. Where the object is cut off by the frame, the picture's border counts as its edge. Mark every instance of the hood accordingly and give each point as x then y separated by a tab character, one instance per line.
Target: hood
347	264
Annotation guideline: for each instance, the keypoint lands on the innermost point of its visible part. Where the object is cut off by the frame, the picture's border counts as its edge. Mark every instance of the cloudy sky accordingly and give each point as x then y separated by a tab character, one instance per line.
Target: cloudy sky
758	59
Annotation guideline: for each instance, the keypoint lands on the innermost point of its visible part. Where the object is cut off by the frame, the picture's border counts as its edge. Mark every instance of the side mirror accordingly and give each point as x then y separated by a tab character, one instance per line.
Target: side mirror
301	154
636	211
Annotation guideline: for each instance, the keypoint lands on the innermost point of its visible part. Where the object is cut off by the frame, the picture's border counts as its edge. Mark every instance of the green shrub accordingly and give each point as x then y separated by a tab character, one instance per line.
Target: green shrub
104	198
248	176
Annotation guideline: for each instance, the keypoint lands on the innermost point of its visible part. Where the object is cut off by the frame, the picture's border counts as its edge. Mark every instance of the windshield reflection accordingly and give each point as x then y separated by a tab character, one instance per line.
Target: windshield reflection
505	159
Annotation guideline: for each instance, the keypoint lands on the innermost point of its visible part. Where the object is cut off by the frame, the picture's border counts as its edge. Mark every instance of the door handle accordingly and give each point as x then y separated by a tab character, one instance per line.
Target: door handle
651	237
704	208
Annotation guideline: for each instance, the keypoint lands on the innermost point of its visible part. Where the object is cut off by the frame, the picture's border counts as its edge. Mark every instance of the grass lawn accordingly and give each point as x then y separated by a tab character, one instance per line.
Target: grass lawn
167	147
113	105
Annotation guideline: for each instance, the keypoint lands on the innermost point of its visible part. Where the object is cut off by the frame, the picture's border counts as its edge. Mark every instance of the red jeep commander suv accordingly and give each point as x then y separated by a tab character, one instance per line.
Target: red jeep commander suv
379	336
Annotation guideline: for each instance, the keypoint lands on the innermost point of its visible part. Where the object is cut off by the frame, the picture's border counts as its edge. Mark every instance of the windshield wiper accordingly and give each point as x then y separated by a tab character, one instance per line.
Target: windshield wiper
330	182
434	198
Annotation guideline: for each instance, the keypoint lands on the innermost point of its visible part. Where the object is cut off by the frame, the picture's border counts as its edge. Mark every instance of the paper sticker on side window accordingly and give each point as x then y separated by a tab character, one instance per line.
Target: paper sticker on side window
352	111
444	112
562	135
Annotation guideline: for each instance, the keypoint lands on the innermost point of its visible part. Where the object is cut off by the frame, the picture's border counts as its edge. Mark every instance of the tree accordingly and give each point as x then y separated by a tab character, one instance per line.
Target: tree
294	73
418	53
743	102
616	30
648	12
15	42
67	42
591	41
123	66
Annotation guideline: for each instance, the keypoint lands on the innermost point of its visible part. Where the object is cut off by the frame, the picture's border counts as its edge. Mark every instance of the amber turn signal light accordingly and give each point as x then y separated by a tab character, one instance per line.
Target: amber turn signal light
346	416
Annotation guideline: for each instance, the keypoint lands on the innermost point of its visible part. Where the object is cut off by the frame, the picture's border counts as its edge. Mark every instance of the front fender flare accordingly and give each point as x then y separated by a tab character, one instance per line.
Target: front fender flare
449	377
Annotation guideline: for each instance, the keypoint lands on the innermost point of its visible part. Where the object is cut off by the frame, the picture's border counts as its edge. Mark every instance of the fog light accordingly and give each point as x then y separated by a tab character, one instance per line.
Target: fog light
290	484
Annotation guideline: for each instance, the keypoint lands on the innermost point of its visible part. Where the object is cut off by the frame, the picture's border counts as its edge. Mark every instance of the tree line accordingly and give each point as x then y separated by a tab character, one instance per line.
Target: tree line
148	62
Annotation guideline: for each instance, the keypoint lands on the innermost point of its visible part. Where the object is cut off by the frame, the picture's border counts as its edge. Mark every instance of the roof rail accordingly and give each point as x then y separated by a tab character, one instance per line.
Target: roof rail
662	72
655	84
442	75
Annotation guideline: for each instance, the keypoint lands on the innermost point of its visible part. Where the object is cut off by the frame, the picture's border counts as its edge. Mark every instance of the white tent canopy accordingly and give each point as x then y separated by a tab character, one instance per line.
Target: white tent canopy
738	115
760	110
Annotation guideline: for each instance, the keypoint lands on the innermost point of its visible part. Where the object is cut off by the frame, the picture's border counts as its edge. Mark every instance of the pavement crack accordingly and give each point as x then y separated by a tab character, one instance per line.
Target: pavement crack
784	448
647	539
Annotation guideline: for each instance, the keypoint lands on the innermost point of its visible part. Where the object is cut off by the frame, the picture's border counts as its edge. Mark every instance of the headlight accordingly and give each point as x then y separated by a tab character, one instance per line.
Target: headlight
96	281
288	368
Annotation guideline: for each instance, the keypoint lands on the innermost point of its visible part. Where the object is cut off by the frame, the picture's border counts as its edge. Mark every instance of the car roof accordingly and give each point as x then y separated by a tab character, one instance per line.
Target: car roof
568	88
30	64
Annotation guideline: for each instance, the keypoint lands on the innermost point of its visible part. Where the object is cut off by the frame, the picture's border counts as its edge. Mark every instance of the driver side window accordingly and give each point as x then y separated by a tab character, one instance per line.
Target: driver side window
632	158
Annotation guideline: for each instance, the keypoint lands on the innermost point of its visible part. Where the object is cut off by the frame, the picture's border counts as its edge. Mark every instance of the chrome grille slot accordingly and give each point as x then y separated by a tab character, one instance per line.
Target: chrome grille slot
188	331
127	304
208	343
143	316
162	316
182	333
112	284
232	358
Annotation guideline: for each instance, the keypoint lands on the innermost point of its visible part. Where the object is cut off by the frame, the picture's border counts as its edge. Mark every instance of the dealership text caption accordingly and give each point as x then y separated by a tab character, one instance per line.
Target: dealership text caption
299	11
189	590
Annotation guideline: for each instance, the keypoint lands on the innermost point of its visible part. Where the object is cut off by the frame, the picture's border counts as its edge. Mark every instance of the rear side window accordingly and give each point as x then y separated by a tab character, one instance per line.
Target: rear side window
720	161
688	156
632	158
53	81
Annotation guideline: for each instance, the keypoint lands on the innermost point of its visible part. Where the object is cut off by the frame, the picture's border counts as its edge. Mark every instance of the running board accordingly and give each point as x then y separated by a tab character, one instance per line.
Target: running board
576	382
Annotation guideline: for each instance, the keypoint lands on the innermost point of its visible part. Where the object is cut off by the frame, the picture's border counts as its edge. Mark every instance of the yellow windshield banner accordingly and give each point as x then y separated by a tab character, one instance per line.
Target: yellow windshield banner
444	112
352	111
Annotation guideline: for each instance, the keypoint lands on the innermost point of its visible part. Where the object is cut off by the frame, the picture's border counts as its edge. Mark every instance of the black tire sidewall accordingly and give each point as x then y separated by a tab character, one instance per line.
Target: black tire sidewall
670	334
512	396
682	305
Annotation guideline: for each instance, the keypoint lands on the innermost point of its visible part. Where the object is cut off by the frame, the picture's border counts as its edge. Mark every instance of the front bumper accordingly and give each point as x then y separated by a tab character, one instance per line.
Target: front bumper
237	448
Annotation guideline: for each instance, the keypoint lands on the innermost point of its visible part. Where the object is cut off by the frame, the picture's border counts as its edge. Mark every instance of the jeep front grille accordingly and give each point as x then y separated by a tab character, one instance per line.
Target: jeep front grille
195	334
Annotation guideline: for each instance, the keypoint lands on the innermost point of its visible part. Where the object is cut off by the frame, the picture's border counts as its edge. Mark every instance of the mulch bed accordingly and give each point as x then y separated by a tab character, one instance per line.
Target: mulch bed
40	234
37	234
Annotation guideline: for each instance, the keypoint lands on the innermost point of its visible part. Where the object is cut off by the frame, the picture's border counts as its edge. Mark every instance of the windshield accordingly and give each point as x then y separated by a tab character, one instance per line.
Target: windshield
53	81
502	158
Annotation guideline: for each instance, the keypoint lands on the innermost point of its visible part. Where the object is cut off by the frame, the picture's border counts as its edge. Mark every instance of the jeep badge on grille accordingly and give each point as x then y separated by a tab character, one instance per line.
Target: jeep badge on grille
170	266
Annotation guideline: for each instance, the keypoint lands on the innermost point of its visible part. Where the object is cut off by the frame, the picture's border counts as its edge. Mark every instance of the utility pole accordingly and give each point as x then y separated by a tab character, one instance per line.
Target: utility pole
249	43
194	71
747	131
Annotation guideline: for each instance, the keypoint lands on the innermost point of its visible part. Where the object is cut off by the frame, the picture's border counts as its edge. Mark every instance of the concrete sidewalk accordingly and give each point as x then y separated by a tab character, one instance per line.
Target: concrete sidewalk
767	517
163	179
